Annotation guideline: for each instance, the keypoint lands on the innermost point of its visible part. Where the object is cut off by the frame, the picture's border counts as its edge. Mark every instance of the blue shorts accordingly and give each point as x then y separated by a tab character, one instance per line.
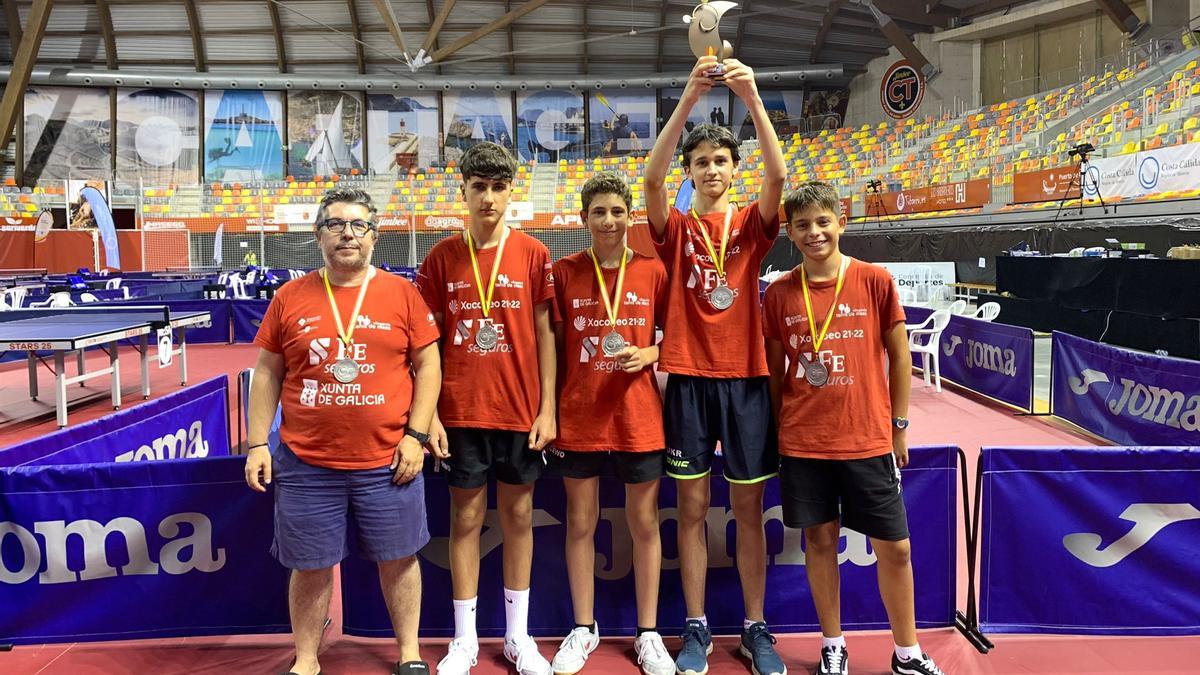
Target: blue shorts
314	507
700	411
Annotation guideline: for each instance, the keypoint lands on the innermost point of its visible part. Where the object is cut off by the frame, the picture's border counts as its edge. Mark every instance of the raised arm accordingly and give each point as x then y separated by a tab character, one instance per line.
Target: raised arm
658	164
740	79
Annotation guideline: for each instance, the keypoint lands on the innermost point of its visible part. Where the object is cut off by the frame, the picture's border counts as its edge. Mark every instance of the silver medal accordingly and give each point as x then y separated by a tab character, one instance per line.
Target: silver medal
487	337
816	373
721	297
612	344
345	371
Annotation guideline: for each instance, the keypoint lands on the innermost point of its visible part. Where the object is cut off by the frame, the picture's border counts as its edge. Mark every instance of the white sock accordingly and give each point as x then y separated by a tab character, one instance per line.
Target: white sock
703	619
908	653
746	623
516	614
839	641
464	620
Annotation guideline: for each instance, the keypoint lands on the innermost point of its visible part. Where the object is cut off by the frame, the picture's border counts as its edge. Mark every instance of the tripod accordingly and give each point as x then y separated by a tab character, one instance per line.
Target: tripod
873	195
1080	179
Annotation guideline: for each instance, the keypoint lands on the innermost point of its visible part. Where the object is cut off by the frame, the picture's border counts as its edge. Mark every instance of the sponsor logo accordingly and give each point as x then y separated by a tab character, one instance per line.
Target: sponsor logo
308	394
984	356
364	321
392	221
845	310
453	307
901	90
452	286
793	341
182	443
444	222
566	219
578	303
1158	405
900	201
792	320
1148	172
1148	520
318	350
689	249
503	281
188	547
580	323
632	298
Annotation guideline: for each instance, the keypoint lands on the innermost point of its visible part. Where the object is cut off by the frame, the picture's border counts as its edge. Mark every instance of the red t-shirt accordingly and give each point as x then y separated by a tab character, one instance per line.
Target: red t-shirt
355	425
501	388
850	417
699	339
600	406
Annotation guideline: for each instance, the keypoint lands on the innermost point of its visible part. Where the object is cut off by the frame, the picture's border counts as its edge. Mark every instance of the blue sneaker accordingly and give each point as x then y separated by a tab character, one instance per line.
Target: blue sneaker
757	646
697	645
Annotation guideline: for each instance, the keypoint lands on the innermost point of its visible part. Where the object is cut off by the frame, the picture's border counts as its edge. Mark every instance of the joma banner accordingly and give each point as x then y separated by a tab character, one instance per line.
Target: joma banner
1128	397
1090	540
929	494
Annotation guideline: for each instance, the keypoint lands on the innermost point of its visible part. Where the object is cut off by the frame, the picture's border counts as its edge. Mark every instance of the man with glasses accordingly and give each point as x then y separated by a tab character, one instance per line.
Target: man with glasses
337	349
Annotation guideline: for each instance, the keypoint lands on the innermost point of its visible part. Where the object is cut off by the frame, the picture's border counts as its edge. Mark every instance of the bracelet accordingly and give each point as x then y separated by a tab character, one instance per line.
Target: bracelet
258	445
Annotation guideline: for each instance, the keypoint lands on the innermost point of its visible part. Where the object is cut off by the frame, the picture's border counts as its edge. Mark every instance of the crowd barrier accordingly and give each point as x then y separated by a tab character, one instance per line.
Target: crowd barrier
989	358
1091	540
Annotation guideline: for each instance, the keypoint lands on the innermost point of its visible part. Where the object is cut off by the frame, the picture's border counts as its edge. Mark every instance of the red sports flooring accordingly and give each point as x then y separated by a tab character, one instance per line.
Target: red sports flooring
949	417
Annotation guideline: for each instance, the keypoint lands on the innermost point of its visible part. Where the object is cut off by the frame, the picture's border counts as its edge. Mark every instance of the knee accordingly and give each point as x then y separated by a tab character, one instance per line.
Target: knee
693	509
893	553
518	515
747	505
581	522
642	525
822	539
468	517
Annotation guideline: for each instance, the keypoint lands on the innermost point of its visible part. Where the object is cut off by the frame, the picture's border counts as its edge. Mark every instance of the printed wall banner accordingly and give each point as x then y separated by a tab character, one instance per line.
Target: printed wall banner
1166	169
68	134
969	194
712	108
930	280
929	494
1090	540
550	125
324	133
1049	185
243	135
1128	397
785	108
621	123
158	136
475	117
403	130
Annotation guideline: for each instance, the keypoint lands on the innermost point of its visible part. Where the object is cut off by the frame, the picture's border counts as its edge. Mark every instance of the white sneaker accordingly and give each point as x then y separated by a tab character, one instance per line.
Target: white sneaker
523	653
461	657
575	650
652	655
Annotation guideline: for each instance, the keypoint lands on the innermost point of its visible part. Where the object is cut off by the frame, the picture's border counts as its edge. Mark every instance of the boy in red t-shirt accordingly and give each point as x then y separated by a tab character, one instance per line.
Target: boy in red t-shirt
609	300
717	387
842	418
491	289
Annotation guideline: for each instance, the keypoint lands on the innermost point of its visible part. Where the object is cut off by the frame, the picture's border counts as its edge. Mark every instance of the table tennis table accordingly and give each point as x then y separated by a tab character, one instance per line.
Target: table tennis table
67	330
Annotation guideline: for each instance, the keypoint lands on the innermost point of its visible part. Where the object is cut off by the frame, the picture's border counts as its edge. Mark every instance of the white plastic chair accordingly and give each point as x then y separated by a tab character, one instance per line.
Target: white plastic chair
988	311
958	307
59	299
88	297
908	297
238	286
14	297
923	278
926	340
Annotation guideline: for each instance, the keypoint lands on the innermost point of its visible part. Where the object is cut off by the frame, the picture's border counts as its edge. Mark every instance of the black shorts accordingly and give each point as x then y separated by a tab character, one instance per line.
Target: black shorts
476	454
630	467
700	411
866	490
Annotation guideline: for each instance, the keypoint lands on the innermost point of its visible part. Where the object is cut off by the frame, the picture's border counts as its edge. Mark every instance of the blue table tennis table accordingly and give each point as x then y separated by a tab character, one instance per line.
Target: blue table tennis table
67	330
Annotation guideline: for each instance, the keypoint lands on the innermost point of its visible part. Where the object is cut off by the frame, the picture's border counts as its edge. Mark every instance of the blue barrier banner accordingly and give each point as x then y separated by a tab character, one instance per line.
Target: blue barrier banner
990	358
1128	397
247	317
218	330
929	493
1090	540
138	550
191	423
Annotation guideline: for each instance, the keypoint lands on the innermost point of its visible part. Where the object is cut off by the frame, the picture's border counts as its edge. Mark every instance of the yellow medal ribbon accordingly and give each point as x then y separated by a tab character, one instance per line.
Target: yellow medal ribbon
485	302
611	306
812	326
344	335
718	260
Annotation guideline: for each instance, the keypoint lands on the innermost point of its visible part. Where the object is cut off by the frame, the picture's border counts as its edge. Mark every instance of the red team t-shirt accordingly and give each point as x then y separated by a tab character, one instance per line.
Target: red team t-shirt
699	339
849	417
600	406
328	423
501	388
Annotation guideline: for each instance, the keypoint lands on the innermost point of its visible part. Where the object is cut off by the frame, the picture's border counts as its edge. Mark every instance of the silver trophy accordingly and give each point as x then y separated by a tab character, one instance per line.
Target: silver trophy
704	35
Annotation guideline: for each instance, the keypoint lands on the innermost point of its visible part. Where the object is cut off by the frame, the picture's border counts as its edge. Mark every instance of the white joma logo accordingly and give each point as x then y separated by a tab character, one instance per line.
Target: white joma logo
1147	519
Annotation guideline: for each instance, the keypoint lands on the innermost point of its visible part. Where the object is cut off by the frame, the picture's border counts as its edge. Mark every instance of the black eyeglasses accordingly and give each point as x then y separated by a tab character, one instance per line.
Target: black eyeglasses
358	228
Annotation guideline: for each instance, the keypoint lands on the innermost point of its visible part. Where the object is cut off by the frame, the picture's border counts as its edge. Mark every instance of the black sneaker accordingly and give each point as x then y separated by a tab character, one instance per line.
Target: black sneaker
834	661
918	666
411	668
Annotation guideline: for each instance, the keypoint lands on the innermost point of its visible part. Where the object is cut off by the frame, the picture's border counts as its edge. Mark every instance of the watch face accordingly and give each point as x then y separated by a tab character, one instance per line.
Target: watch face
900	423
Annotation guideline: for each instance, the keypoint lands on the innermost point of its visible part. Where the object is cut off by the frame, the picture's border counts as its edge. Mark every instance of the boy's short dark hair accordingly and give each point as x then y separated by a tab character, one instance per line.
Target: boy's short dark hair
718	137
345	196
812	193
488	160
605	183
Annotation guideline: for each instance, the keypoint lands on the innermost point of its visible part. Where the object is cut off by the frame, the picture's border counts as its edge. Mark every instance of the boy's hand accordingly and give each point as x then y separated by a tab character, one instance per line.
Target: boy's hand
632	360
900	448
439	443
699	82
739	77
544	430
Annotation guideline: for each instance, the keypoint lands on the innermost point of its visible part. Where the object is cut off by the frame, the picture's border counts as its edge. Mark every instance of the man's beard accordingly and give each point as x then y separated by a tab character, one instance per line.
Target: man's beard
359	262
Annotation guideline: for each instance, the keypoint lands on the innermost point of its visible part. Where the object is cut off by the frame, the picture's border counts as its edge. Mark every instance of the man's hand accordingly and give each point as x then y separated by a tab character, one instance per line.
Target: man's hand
739	77
544	430
900	448
258	468
439	442
699	82
407	460
632	359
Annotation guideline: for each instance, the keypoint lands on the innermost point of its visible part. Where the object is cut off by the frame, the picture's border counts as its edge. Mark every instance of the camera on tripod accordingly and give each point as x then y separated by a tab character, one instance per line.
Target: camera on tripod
1081	151
874	185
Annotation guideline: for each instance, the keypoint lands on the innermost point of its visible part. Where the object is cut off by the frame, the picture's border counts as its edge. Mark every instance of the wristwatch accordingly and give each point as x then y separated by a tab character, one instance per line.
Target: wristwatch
421	438
900	423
